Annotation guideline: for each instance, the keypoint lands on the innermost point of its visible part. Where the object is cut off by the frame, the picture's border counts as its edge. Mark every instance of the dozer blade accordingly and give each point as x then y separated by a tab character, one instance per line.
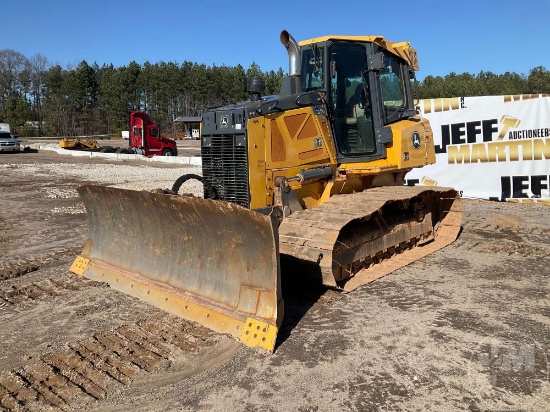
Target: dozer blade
353	239
207	261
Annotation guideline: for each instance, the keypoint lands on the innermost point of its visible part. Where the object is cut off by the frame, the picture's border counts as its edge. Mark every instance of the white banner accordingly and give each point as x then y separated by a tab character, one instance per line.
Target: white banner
491	147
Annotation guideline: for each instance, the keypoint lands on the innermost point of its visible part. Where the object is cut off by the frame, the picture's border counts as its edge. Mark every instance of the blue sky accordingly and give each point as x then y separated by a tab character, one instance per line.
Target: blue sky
458	36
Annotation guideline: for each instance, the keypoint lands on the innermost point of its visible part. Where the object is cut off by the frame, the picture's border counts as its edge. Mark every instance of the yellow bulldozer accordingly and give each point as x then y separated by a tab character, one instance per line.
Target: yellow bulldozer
314	175
78	143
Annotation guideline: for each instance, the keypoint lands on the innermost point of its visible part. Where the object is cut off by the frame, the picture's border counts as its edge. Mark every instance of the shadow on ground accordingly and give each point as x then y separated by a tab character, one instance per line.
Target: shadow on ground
301	290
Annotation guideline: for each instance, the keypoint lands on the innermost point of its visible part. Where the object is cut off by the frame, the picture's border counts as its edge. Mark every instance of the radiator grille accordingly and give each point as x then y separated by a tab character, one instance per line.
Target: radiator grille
225	166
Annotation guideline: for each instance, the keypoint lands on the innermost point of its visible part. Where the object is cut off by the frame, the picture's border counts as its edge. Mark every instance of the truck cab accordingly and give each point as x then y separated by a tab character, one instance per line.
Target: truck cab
145	136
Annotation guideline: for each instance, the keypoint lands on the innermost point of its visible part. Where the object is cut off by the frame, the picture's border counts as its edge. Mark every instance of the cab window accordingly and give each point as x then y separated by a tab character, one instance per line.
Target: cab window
392	86
349	100
312	68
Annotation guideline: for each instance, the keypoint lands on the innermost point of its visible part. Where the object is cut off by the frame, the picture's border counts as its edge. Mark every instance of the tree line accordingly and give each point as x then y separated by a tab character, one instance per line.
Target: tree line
38	98
485	84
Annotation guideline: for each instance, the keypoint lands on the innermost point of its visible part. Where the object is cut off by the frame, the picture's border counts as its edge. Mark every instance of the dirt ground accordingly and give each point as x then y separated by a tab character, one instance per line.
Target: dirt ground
466	328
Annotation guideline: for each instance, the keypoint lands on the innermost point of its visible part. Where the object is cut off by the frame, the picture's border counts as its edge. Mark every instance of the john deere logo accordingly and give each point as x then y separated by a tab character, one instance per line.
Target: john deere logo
416	140
224	121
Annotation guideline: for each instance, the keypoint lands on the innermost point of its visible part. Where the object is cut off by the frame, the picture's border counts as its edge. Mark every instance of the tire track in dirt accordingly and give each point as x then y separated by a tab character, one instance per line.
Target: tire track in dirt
92	368
16	268
505	235
53	286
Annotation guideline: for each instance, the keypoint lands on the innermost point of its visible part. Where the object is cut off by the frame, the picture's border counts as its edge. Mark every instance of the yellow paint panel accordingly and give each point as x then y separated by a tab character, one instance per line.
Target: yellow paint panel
294	123
79	265
310	154
403	138
257	333
302	133
309	130
278	145
401	154
260	193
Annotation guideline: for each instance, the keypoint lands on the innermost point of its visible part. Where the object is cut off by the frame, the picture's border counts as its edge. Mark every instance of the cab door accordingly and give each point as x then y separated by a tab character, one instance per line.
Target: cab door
153	145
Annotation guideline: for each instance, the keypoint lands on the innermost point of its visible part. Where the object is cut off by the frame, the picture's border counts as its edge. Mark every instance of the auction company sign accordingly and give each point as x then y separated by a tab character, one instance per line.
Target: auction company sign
490	147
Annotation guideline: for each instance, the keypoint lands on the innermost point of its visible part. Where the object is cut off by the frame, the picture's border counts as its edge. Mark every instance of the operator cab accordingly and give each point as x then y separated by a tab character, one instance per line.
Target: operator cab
366	89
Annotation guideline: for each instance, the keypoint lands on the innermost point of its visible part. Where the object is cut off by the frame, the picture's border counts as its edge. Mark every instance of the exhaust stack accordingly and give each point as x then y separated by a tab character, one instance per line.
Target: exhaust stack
293	53
291	84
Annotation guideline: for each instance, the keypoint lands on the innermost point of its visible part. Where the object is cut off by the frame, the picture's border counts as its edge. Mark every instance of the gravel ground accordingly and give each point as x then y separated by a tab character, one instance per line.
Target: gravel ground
125	176
134	176
466	328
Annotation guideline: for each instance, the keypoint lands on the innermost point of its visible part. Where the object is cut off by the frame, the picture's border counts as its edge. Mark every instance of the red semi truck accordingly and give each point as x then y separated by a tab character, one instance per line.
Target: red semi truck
145	137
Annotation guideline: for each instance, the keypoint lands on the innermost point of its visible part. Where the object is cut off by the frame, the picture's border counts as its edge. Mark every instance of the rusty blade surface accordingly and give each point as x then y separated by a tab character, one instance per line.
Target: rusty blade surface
217	251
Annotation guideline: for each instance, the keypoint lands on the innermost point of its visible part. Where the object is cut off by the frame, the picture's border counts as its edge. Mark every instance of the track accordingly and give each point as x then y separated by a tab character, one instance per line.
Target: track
349	235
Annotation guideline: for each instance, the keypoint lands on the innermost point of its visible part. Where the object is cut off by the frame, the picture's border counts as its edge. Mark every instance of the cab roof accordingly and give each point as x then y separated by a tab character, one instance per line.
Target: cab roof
402	49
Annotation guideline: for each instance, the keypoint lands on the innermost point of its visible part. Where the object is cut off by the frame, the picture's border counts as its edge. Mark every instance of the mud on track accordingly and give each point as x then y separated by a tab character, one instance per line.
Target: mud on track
466	328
